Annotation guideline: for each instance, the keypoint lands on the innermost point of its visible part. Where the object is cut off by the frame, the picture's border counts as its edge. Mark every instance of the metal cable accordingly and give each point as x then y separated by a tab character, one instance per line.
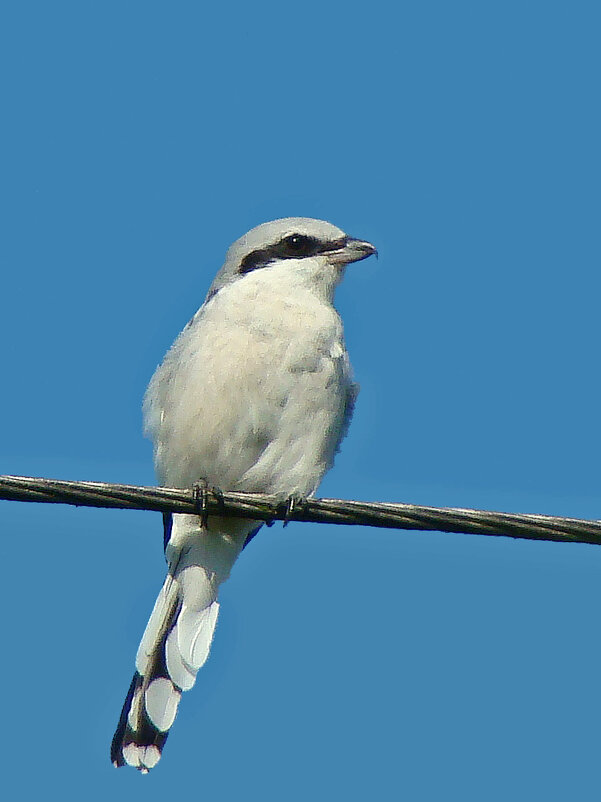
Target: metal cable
333	511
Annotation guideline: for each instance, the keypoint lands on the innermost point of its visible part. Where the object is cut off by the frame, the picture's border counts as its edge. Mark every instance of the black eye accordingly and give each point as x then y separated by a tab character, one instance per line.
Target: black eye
295	246
299	245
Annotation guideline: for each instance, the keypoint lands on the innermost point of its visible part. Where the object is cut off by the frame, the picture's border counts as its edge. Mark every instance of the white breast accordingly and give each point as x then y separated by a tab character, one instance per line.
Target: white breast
254	393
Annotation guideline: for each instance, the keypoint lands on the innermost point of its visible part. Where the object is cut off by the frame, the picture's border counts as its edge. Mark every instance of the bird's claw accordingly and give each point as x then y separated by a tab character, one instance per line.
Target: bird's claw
200	492
293	503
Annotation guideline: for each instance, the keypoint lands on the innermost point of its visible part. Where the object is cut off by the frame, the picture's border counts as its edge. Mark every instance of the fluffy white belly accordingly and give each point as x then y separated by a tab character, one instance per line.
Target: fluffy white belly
252	400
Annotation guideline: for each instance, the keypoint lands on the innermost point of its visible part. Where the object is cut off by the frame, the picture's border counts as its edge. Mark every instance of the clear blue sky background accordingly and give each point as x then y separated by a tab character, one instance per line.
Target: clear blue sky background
138	140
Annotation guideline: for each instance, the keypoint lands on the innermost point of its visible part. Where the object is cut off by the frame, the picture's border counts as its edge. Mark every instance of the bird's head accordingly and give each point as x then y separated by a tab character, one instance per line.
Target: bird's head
293	248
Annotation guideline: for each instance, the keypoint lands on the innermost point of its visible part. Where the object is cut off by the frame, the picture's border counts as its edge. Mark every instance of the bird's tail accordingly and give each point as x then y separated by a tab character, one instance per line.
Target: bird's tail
176	641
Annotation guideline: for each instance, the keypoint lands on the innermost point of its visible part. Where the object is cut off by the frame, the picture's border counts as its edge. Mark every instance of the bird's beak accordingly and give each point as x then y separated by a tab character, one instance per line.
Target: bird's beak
352	250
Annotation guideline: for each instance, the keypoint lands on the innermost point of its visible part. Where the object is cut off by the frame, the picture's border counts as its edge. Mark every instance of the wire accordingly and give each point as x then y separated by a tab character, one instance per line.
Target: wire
331	511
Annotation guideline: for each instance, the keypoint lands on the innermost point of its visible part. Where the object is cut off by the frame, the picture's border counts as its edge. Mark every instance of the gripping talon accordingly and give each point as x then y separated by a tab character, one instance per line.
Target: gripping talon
292	504
218	495
200	492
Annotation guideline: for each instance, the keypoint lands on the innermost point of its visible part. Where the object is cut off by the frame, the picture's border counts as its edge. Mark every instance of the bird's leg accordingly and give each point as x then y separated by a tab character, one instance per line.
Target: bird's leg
200	491
293	503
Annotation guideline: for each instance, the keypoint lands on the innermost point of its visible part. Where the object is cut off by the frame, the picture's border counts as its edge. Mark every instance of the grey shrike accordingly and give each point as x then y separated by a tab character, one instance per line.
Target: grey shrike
255	395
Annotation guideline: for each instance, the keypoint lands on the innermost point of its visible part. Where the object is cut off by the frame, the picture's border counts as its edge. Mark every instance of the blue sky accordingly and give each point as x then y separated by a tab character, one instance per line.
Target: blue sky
139	139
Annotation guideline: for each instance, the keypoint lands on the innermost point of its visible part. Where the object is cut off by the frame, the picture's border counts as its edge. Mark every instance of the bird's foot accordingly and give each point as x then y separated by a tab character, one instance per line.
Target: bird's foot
200	492
294	503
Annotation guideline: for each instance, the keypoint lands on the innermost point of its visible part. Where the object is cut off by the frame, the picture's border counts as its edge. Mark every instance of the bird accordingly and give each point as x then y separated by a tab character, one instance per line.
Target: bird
255	395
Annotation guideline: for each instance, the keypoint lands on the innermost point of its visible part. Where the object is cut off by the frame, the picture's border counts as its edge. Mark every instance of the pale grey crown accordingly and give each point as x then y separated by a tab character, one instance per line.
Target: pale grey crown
263	244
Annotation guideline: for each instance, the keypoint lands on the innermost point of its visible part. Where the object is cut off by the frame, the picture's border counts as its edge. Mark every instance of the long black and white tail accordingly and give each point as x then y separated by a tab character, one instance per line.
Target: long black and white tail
175	645
176	642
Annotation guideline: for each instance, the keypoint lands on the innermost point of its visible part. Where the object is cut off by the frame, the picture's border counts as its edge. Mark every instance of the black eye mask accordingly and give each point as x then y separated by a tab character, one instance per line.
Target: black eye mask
295	246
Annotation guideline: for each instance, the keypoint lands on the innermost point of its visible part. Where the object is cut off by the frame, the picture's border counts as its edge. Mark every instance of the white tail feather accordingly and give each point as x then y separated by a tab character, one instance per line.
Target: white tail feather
176	642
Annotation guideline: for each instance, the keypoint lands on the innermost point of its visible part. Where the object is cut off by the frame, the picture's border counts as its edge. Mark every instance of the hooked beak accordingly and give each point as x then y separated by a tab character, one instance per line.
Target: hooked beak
352	250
